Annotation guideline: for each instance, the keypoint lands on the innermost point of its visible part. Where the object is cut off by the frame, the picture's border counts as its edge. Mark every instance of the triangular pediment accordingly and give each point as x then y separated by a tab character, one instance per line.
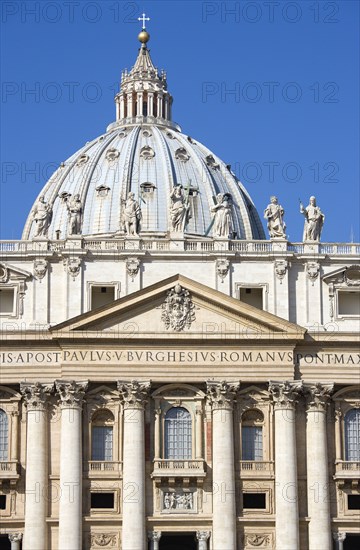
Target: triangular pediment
179	308
9	272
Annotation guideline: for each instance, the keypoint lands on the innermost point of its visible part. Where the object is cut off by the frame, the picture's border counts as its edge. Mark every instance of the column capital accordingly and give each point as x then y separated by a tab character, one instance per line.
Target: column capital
203	535
71	393
221	395
154	536
339	537
35	394
134	394
285	394
15	537
317	396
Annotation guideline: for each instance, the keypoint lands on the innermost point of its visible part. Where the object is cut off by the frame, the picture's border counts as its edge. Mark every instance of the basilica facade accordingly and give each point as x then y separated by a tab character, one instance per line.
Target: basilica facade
171	378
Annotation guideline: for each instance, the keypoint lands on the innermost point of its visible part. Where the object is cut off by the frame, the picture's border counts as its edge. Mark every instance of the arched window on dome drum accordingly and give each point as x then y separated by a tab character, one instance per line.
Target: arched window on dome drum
352	435
102	436
178	434
252	435
4	435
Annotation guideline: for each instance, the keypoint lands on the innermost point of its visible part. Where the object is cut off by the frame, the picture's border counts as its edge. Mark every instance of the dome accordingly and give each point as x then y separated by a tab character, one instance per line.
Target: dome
178	184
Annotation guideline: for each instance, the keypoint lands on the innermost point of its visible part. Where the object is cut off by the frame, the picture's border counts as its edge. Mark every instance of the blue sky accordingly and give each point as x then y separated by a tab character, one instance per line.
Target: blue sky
271	87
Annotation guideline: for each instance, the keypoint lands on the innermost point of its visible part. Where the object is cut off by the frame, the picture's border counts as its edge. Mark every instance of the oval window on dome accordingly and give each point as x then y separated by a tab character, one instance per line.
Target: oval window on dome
182	154
147	152
82	160
112	154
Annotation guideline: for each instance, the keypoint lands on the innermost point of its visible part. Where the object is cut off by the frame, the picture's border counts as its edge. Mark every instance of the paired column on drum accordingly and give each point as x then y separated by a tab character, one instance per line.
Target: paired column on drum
285	395
318	396
221	397
70	511
133	396
35	396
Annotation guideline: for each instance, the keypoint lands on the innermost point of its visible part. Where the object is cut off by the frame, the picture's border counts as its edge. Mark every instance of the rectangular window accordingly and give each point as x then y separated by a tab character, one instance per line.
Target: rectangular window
102	443
252	296
102	295
353	502
7	301
349	303
254	500
252	446
102	500
2	502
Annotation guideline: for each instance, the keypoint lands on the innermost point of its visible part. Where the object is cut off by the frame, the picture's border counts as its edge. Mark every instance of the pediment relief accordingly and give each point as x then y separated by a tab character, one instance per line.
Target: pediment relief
345	276
10	273
180	308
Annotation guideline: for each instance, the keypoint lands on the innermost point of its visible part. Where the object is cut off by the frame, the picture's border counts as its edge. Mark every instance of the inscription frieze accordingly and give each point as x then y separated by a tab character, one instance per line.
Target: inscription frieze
186	357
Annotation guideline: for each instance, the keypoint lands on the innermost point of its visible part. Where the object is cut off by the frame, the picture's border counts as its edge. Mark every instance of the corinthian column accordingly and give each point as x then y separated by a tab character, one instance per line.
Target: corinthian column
35	396
317	467
285	395
133	396
70	511
221	397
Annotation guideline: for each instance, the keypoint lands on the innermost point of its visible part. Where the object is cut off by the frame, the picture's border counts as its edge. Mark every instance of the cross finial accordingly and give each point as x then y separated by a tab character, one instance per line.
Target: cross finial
143	19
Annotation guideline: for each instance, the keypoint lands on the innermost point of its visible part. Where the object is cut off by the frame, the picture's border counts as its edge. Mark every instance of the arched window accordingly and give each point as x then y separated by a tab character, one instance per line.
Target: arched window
178	434
352	435
102	435
4	435
252	435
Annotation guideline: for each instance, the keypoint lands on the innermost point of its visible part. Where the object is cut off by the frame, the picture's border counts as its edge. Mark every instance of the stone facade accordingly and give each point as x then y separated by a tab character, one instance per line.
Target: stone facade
111	342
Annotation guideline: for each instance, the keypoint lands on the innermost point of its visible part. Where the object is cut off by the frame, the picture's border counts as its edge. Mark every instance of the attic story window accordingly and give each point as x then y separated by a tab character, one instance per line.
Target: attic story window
147	187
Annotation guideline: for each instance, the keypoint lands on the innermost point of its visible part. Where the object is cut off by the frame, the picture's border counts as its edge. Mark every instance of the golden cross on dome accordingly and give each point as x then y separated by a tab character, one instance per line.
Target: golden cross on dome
143	19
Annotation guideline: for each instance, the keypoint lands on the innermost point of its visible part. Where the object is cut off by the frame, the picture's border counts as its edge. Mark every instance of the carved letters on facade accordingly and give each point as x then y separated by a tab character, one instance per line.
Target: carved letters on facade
178	309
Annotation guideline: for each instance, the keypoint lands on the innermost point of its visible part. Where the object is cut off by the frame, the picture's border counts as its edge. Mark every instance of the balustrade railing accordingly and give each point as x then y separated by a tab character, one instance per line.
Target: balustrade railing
163	244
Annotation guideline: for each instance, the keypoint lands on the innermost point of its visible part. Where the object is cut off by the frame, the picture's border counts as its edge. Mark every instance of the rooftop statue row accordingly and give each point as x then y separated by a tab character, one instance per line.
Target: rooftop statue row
180	214
314	220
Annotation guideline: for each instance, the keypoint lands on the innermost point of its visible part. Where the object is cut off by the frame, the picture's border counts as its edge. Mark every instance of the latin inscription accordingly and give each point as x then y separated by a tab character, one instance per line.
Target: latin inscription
234	357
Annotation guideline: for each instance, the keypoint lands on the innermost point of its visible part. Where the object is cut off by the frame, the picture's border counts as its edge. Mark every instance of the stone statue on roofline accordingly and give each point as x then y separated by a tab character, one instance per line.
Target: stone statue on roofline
42	215
274	213
314	220
132	216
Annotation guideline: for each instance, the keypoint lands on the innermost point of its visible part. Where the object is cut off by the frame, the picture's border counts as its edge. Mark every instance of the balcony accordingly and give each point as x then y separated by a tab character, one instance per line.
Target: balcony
256	468
169	468
103	468
347	469
9	471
